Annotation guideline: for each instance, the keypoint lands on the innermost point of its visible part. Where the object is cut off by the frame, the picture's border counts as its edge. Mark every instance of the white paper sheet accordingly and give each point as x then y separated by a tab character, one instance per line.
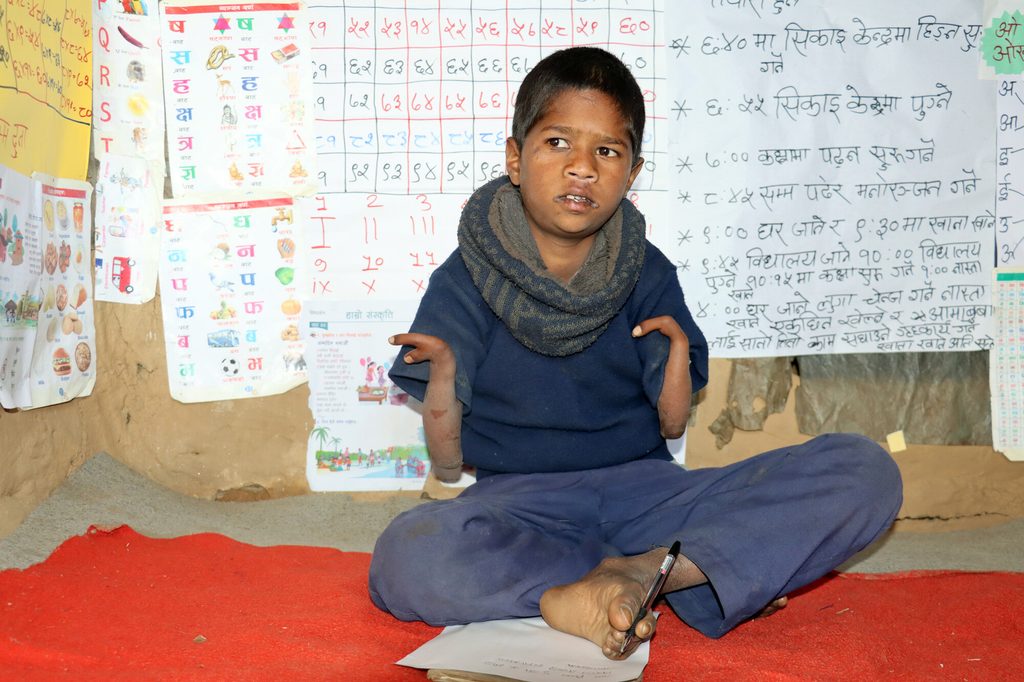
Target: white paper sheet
524	649
833	175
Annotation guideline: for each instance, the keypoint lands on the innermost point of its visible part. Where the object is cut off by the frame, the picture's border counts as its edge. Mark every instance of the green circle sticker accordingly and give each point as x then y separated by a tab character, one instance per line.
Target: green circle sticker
1002	45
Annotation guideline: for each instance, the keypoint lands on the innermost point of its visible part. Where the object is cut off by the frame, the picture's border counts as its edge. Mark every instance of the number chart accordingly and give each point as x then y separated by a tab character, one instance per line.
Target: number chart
413	102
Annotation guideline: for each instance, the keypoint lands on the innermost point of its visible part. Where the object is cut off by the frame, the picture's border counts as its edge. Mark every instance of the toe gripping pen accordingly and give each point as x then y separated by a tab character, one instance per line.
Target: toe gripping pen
652	594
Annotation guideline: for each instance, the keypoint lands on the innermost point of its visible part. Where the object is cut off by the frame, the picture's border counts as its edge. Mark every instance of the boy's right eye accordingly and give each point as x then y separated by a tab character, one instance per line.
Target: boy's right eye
557	142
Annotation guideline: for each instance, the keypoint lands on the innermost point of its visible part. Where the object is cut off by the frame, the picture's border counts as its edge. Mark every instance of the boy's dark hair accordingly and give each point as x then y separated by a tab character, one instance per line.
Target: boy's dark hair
579	68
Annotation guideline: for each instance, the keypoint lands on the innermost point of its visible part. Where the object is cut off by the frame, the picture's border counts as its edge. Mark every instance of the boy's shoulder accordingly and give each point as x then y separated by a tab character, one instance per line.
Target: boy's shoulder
451	281
451	267
656	263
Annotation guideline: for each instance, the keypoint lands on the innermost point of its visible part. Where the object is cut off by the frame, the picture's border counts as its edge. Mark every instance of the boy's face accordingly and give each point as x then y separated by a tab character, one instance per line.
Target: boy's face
575	166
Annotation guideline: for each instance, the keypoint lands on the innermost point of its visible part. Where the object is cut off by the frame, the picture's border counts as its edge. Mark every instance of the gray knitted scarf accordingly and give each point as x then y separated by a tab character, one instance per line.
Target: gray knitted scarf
542	313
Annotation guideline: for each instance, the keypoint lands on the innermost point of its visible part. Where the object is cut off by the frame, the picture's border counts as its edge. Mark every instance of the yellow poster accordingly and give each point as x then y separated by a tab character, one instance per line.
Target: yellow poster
45	86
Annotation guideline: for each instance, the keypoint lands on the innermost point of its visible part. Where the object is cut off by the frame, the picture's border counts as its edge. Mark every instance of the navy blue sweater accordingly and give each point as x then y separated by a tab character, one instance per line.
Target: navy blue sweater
528	413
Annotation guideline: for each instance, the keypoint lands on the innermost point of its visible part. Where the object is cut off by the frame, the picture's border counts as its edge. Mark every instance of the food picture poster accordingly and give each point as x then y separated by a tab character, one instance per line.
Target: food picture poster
230	299
368	432
47	333
63	362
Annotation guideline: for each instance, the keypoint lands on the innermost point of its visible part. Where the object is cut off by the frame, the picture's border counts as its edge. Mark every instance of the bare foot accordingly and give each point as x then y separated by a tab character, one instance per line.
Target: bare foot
774	606
601	605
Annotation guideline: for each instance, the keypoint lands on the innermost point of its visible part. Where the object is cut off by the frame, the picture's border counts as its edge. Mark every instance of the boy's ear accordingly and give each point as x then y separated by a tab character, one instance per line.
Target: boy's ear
512	157
635	172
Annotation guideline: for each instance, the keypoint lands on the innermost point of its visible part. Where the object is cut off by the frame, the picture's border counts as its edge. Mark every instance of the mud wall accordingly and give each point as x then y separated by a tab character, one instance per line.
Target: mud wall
252	449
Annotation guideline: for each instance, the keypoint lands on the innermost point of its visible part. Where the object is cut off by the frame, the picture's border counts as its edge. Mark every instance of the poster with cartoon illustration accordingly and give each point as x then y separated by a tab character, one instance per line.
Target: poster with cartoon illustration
20	265
238	94
129	193
128	105
230	299
64	351
368	433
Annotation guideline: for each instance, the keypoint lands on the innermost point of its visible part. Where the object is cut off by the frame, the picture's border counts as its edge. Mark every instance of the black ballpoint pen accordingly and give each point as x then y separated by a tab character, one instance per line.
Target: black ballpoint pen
652	593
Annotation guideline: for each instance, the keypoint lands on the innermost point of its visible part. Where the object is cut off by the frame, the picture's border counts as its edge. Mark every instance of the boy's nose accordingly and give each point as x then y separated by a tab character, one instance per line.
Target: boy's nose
582	167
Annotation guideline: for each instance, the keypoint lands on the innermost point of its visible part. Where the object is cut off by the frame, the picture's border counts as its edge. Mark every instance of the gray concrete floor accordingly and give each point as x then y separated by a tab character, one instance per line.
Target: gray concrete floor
105	492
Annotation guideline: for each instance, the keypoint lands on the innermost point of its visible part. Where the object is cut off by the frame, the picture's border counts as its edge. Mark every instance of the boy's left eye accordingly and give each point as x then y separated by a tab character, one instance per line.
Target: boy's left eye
606	151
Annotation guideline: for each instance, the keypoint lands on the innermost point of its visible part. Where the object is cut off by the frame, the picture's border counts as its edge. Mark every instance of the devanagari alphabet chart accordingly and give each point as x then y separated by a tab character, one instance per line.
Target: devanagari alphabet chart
1002	49
237	97
229	299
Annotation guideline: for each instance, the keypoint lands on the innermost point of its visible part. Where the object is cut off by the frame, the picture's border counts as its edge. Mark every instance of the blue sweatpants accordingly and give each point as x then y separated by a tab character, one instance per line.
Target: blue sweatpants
758	529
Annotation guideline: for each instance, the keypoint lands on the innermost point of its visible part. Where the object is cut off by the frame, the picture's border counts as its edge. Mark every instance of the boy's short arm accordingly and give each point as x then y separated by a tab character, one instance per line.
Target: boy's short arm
676	390
665	297
448	310
442	419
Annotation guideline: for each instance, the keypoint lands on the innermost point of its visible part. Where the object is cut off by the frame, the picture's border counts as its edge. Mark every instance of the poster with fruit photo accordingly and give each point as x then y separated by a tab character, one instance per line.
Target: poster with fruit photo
47	338
64	352
230	299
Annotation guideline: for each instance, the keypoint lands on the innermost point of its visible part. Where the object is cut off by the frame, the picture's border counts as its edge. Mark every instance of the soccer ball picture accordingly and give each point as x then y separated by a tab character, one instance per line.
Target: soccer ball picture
230	367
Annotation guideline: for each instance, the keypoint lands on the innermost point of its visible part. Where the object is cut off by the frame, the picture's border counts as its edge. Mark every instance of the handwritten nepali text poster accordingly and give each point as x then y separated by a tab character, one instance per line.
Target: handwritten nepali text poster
46	86
833	174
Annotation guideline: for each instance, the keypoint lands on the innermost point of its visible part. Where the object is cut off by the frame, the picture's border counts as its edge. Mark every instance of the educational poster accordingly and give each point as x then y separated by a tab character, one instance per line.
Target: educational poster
1002	51
1006	363
127	80
230	299
836	191
1010	172
365	436
64	352
129	192
47	335
238	99
45	86
20	266
413	107
377	247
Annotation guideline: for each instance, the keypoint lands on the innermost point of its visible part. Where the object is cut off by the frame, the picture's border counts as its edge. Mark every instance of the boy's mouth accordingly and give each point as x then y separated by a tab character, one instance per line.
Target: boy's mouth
578	199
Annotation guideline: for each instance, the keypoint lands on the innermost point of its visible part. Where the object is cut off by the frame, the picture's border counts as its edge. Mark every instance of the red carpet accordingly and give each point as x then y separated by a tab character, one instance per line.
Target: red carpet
118	605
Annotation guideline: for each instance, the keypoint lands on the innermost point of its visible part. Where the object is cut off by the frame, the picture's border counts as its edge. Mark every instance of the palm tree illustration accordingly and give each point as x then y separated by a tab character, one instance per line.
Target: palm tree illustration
322	433
335	442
